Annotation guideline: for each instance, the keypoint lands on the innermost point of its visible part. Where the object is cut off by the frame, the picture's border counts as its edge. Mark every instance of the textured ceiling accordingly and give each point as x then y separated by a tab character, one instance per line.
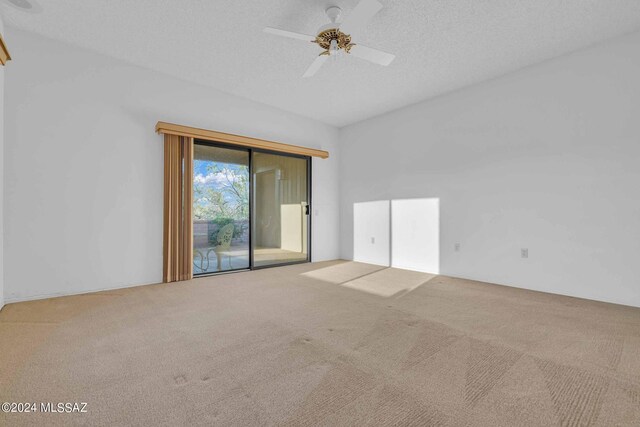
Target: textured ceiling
440	45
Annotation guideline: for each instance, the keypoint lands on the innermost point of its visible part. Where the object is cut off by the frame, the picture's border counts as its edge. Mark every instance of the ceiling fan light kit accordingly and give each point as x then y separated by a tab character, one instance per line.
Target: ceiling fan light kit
335	38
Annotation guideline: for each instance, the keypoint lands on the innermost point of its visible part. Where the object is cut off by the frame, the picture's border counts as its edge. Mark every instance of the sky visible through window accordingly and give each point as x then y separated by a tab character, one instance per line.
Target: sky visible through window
221	190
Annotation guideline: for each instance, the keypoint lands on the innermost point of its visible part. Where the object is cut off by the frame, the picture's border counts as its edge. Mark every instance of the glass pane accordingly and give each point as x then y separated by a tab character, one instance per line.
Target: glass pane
280	194
220	209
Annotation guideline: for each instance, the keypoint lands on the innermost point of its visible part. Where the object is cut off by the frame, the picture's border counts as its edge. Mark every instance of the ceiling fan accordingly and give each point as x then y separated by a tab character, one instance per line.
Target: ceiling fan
335	38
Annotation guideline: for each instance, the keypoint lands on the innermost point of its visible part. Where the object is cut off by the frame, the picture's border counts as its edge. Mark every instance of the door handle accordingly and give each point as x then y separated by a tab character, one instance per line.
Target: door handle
306	210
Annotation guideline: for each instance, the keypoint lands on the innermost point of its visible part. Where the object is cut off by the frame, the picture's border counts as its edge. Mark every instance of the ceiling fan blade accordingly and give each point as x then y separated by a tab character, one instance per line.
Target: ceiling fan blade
289	34
315	65
373	55
358	18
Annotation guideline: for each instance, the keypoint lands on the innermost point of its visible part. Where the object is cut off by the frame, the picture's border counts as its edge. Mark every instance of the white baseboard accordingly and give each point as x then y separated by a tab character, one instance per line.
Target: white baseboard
546	291
12	300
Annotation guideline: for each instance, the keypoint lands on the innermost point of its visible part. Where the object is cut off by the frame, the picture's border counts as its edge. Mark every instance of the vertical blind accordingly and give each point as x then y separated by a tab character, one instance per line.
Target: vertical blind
178	204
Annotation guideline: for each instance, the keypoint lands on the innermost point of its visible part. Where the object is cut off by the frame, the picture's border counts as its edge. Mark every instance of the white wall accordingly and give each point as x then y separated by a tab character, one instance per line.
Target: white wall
83	181
546	159
2	170
371	232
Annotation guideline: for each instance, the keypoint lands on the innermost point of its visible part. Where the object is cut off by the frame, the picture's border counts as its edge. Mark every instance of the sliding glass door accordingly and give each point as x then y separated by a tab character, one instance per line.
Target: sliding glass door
250	208
281	203
221	223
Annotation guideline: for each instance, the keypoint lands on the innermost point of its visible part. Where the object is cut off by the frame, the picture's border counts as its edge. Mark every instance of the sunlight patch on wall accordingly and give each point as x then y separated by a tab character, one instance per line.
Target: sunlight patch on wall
398	233
371	229
415	231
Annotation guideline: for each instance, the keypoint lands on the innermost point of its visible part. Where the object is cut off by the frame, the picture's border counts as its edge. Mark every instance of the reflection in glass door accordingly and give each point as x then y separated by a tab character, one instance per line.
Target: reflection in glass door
220	209
280	212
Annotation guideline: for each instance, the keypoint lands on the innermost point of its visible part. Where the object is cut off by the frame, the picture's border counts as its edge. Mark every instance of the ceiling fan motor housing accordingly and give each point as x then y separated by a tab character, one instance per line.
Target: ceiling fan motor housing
324	39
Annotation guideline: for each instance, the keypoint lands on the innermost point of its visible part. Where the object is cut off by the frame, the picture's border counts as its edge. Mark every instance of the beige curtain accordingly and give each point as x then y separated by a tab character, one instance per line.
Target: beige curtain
178	203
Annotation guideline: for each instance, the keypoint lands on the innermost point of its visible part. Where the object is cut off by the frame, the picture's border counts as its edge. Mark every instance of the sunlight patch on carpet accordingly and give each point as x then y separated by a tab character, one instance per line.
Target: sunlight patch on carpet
344	272
389	282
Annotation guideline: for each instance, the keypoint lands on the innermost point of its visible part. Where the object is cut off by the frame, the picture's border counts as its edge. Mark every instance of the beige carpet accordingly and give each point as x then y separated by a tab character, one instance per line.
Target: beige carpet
323	344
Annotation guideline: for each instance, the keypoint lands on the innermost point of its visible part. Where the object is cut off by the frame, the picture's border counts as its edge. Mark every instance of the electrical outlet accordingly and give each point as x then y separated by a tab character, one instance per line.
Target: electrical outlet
524	253
456	247
373	240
